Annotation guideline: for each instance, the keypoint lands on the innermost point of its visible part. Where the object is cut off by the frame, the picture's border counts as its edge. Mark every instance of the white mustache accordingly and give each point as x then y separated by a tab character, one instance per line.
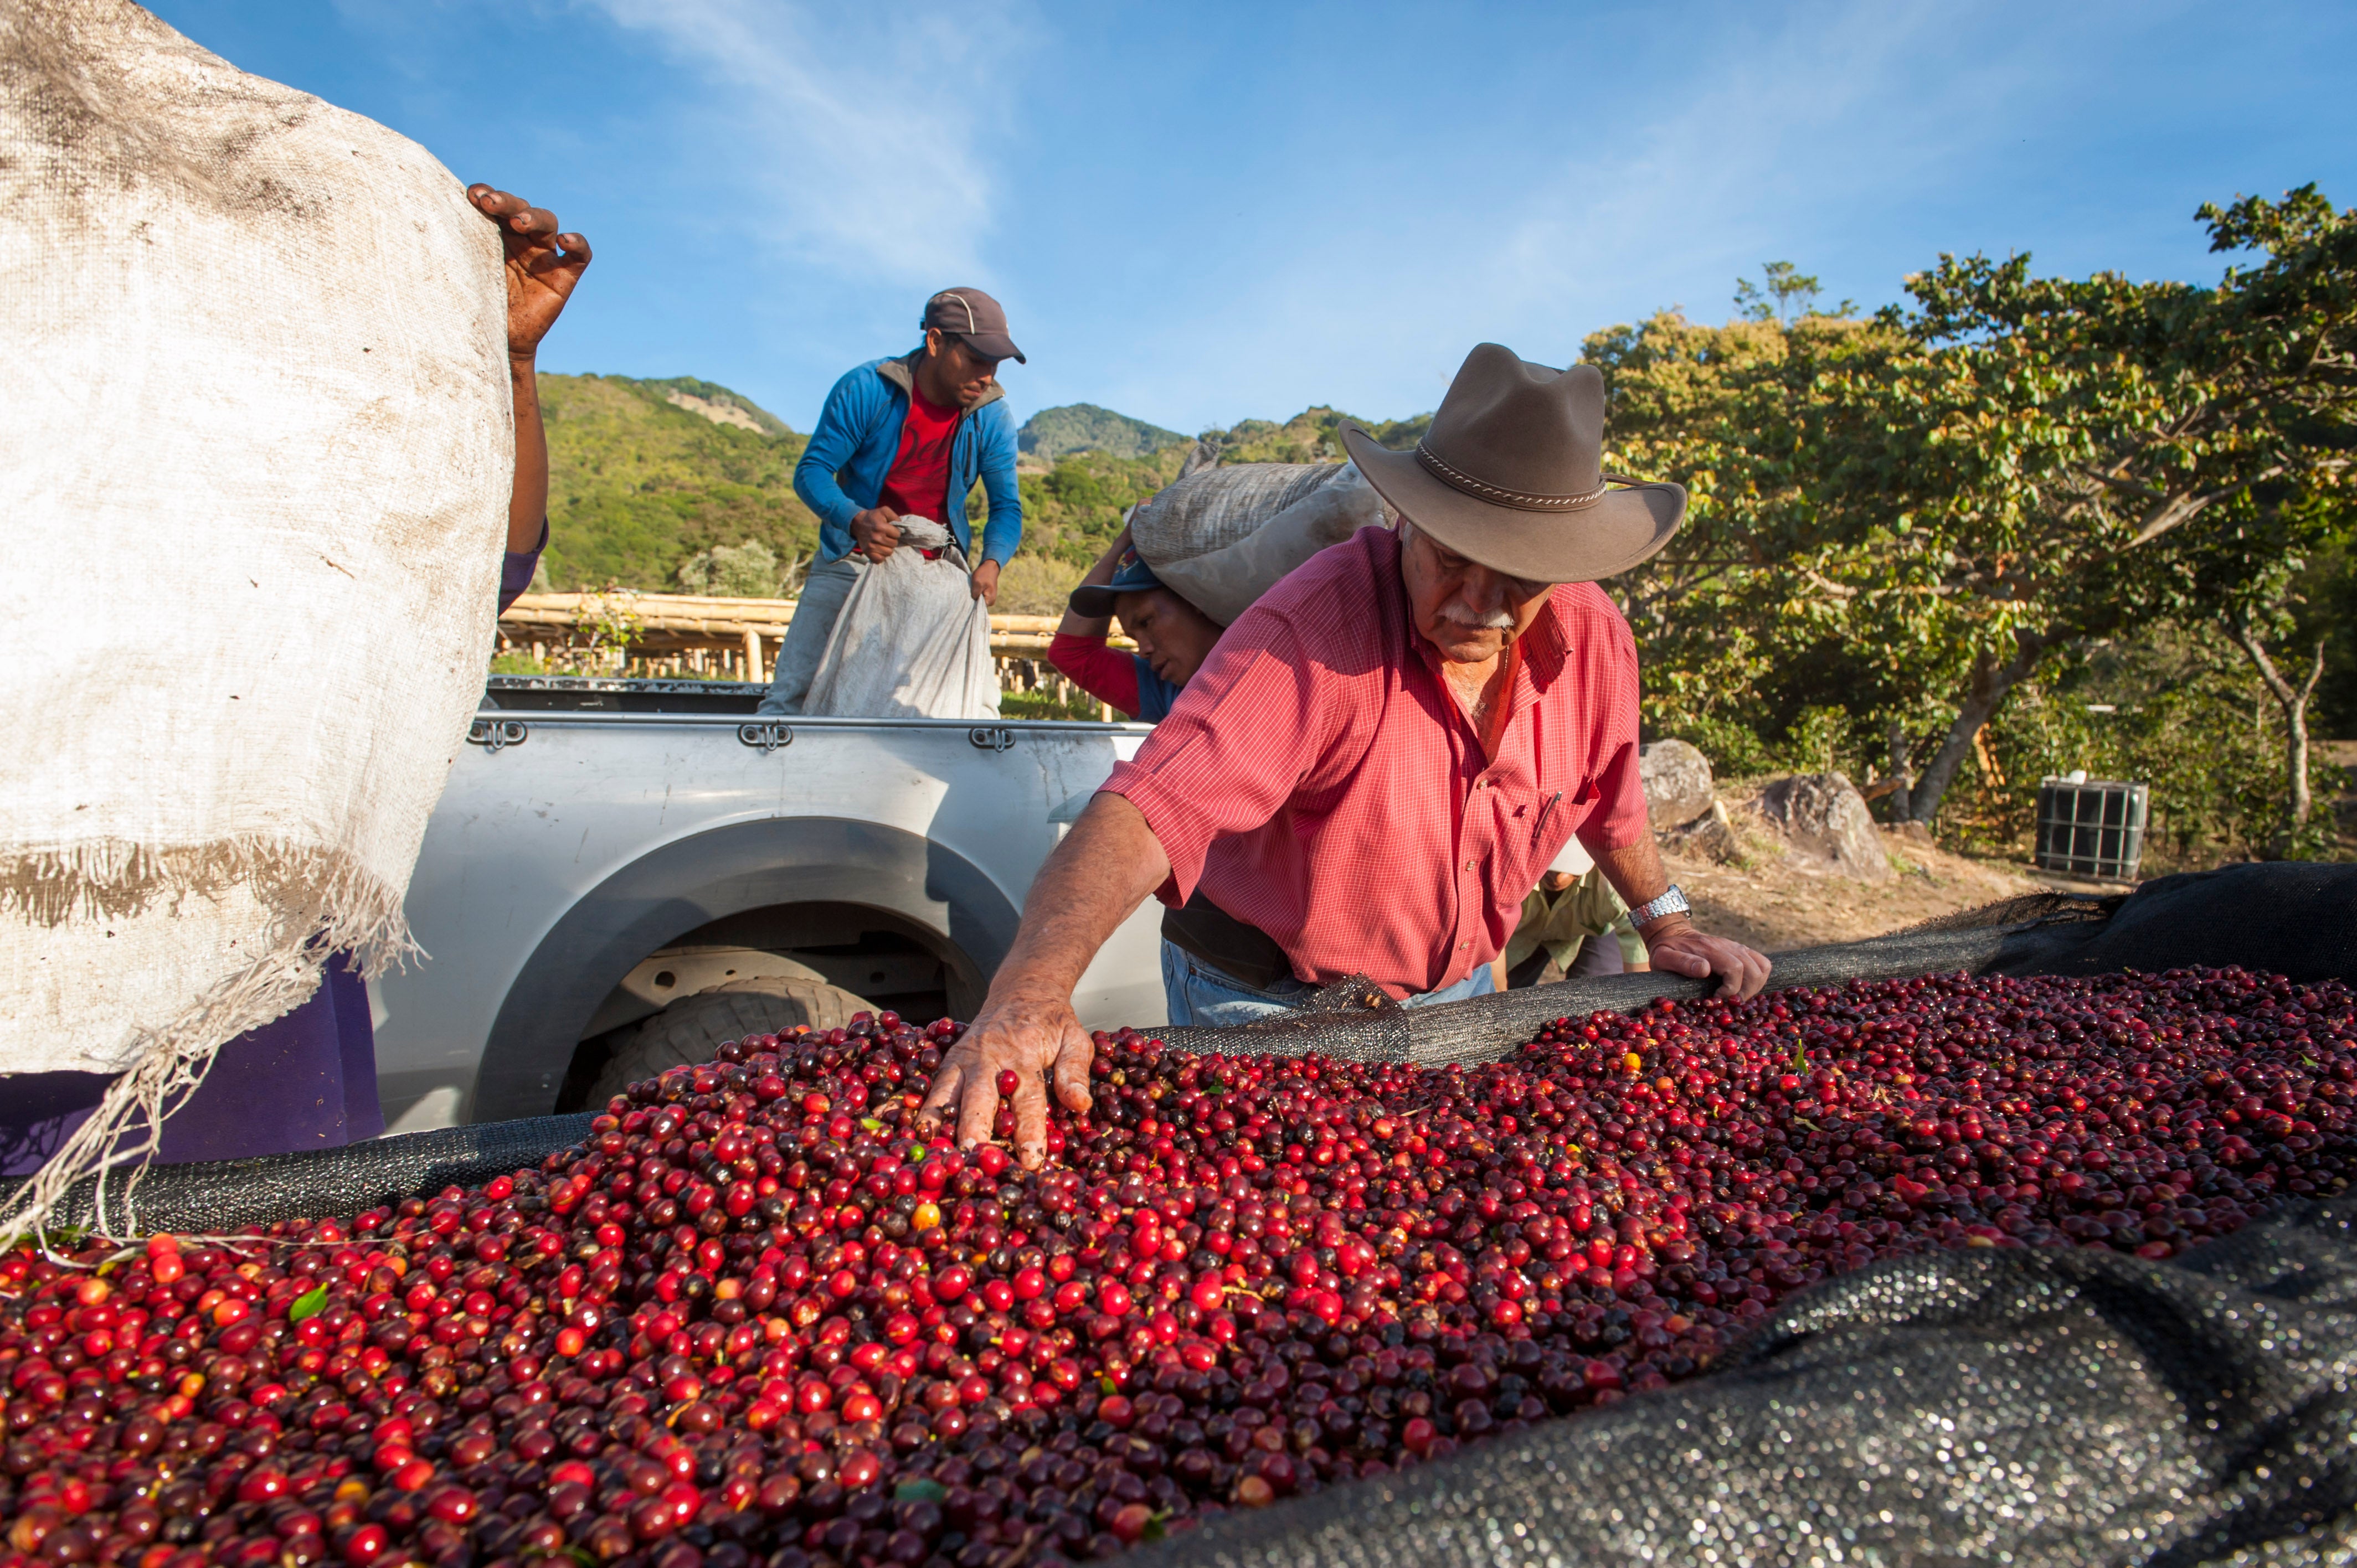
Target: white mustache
1496	620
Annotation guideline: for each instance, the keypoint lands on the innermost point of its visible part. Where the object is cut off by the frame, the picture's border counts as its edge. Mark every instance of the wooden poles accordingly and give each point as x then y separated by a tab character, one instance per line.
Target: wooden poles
695	636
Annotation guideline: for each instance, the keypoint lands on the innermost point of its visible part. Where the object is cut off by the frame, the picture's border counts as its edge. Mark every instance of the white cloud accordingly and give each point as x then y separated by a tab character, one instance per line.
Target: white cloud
854	131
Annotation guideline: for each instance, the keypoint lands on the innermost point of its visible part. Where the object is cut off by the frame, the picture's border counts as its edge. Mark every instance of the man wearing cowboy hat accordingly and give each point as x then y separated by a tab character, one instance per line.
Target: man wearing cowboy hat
1379	758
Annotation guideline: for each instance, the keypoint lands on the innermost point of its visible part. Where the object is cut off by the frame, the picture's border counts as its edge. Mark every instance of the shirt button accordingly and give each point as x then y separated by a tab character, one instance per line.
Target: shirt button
1462	946
1469	864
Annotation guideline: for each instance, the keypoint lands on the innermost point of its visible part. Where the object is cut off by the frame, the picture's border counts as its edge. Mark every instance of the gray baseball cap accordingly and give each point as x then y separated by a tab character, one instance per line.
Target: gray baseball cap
976	318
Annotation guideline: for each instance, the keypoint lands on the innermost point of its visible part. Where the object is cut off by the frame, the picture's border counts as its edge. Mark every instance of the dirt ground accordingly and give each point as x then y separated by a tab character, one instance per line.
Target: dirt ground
1775	900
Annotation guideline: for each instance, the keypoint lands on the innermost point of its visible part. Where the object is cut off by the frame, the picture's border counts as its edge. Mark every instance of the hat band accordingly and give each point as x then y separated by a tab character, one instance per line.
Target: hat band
1457	479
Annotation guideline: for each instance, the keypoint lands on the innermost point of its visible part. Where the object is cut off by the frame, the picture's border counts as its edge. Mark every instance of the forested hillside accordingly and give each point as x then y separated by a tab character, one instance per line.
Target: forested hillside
647	476
1072	513
1054	432
638	483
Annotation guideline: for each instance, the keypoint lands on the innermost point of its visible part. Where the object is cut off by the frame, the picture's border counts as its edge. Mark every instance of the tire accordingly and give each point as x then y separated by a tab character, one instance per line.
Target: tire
692	1029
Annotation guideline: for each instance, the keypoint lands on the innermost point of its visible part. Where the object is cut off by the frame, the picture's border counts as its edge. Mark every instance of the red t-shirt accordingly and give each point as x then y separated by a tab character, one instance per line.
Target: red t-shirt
1103	672
918	484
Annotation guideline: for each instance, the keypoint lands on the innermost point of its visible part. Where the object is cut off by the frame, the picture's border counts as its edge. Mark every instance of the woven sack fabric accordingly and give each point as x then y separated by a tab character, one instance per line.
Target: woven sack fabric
255	449
1223	582
911	641
1216	506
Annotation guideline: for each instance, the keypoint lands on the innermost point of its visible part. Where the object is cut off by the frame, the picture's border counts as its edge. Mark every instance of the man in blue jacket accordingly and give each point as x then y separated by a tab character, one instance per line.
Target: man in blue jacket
906	437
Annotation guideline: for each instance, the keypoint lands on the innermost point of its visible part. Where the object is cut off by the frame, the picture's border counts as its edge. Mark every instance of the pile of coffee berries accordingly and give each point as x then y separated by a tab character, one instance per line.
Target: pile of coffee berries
757	1317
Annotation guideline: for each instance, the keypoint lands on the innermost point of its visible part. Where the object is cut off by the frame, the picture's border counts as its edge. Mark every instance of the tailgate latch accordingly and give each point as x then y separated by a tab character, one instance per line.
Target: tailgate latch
769	735
498	735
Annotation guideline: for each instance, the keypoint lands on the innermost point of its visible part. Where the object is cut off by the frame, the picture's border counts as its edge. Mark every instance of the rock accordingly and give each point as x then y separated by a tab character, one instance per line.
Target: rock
719	413
1824	815
1710	836
1677	782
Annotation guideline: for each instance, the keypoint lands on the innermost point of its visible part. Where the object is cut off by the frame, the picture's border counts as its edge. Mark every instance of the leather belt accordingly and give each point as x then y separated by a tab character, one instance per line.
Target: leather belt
1232	946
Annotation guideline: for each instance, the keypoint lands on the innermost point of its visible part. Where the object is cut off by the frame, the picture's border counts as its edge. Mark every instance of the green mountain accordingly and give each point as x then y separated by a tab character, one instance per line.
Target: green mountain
1054	432
645	474
650	478
1313	436
717	403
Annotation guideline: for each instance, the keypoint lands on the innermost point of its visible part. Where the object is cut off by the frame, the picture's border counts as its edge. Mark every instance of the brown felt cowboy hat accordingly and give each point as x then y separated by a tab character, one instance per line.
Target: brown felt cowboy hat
1511	475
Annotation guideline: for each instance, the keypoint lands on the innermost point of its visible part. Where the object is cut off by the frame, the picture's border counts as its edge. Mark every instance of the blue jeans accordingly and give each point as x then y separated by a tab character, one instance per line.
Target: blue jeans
1194	992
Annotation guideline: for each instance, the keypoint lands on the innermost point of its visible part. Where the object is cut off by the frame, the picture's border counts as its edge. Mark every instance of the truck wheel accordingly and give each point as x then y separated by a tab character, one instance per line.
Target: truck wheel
691	1030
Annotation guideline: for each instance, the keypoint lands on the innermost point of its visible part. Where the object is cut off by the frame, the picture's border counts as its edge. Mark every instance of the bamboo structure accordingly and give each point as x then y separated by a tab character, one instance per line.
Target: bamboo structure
697	636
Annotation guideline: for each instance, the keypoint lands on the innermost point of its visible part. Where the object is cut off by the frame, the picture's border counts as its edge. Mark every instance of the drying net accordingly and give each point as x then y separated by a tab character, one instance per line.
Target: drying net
1354	1020
2024	1406
2028	1406
228	1195
2294	920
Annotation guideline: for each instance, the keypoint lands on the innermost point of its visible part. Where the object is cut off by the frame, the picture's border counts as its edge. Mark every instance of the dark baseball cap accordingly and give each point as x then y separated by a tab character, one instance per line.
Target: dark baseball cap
976	318
1131	575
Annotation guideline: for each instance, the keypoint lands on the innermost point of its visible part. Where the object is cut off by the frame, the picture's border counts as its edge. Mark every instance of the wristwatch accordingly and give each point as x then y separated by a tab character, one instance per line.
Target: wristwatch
1674	902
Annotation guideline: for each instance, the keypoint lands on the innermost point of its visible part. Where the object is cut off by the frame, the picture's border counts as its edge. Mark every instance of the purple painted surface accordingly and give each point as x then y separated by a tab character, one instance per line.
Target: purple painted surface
304	1082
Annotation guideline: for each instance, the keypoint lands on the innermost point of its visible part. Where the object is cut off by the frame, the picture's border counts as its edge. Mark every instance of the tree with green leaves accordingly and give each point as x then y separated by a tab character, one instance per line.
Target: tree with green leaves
747	571
1908	518
2101	454
1789	296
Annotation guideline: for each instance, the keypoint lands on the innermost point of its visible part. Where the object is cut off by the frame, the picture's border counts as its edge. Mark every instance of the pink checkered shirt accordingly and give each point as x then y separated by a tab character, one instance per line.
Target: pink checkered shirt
1317	779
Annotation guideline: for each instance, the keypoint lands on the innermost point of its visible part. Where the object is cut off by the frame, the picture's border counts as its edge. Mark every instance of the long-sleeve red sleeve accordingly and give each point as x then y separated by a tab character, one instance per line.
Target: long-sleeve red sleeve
1103	672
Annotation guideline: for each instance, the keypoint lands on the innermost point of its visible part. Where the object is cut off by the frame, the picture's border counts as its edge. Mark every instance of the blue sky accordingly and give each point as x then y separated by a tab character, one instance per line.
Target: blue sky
1198	214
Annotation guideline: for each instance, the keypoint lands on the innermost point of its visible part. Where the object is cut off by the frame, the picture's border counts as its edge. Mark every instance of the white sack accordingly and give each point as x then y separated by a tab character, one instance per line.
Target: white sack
1223	582
911	641
1216	506
254	458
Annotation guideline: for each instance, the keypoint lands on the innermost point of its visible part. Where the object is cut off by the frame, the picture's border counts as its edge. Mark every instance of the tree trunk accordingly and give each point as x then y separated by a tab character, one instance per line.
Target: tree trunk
2293	700
1990	684
1902	794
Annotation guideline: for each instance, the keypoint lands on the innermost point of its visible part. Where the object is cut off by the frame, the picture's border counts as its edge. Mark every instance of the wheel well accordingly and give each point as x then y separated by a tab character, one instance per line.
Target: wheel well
883	958
752	884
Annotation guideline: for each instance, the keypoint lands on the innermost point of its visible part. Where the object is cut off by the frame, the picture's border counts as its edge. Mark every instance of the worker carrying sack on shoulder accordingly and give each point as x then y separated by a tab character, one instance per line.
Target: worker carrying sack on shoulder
1223	537
911	641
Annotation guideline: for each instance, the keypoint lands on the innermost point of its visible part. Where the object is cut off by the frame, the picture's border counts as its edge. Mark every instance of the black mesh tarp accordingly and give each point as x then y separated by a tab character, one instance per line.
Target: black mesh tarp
2296	919
227	1195
2023	1407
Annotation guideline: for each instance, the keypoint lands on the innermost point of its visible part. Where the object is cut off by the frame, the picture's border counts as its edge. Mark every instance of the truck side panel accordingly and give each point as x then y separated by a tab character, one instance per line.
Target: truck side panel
527	834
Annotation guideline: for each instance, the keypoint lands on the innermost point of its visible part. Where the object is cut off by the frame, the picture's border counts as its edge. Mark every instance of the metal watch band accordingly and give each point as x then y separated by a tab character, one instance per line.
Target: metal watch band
1673	902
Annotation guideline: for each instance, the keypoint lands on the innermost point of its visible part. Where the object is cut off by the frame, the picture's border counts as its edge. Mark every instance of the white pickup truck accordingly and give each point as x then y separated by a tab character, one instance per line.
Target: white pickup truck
621	869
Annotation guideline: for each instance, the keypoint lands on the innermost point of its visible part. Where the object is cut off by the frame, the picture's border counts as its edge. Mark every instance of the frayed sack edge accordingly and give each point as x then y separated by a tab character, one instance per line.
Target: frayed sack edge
326	905
111	879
